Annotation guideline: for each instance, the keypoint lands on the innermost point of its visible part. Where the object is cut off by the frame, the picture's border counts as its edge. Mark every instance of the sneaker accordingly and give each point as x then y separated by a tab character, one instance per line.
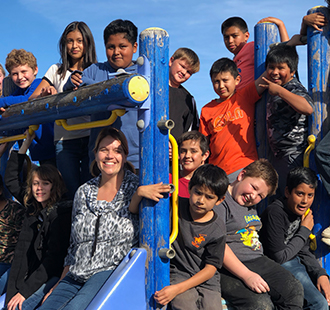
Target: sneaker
326	232
326	241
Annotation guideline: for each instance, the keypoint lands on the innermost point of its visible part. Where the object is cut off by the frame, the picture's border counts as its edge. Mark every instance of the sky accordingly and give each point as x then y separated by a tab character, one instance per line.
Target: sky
36	25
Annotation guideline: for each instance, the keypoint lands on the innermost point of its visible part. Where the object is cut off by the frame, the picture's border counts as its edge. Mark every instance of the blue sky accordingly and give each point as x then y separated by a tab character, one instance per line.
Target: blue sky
36	25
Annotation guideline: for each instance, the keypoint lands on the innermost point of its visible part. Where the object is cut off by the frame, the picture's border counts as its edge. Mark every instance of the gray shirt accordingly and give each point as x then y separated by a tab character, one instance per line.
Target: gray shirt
242	224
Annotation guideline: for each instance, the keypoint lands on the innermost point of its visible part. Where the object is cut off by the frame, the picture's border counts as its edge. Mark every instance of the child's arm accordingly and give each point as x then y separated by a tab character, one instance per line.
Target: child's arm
42	90
298	103
166	294
13	99
315	20
153	192
251	279
281	27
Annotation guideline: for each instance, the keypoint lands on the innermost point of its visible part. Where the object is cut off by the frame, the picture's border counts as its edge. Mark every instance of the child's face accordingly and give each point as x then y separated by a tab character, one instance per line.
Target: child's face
235	39
249	191
224	84
23	76
119	51
1	79
202	200
75	45
279	73
41	190
300	199
191	155
180	71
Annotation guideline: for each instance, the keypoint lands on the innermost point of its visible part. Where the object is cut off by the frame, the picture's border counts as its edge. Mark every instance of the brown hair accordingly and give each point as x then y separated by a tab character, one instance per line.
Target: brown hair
117	135
2	70
190	56
48	173
20	58
263	169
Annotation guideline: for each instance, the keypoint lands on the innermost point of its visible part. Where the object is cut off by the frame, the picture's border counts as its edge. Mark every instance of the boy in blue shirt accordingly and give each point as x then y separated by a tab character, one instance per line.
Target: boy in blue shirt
285	237
22	68
120	38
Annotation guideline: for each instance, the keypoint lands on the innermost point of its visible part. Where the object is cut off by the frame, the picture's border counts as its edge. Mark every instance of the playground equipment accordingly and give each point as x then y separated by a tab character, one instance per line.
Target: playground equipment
145	270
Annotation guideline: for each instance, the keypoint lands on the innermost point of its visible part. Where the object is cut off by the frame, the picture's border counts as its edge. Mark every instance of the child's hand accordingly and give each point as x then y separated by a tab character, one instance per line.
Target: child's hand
76	79
153	191
315	20
323	286
308	220
256	283
16	301
47	91
165	295
27	142
273	89
270	19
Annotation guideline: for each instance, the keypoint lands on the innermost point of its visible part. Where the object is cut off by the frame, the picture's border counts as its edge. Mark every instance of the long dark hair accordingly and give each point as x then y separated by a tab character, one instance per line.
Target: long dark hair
89	44
48	173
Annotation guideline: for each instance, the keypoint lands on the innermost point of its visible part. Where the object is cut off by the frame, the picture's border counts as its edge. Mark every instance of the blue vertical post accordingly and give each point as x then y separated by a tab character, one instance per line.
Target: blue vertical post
154	163
265	34
318	86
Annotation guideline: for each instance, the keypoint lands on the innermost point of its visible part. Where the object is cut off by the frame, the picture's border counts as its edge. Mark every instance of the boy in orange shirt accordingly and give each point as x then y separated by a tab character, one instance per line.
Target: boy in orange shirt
228	121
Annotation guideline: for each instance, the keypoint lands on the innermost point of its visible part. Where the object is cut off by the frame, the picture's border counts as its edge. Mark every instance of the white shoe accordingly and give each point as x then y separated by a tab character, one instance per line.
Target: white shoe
326	241
326	233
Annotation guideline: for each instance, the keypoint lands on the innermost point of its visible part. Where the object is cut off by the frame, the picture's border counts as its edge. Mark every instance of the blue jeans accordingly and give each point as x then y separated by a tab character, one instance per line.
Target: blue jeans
314	300
74	295
4	272
35	299
73	162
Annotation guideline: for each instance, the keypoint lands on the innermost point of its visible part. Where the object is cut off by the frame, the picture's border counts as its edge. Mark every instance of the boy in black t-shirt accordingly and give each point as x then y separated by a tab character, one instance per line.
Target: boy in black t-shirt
199	247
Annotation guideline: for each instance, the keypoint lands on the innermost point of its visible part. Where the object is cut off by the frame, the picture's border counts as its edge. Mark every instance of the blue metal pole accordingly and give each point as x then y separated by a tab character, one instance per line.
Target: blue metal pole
318	86
265	34
154	163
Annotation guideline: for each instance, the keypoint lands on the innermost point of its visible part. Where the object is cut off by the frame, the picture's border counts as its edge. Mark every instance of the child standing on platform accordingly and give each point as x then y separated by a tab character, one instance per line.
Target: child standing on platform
77	49
288	106
236	34
120	38
182	106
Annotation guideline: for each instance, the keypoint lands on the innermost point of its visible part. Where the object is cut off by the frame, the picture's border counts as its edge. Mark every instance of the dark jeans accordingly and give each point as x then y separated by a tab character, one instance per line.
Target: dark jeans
285	291
73	162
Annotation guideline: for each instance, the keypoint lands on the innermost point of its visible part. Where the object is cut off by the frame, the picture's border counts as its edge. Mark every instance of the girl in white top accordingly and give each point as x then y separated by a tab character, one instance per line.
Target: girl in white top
77	49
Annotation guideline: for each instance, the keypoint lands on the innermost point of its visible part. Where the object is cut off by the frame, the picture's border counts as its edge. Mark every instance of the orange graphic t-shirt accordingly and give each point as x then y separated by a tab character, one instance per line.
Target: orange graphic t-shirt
229	125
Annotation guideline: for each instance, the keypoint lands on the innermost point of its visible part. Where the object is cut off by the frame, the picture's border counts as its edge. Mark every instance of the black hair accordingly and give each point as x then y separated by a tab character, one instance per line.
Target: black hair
234	21
89	45
197	136
283	53
300	175
121	26
224	65
211	177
